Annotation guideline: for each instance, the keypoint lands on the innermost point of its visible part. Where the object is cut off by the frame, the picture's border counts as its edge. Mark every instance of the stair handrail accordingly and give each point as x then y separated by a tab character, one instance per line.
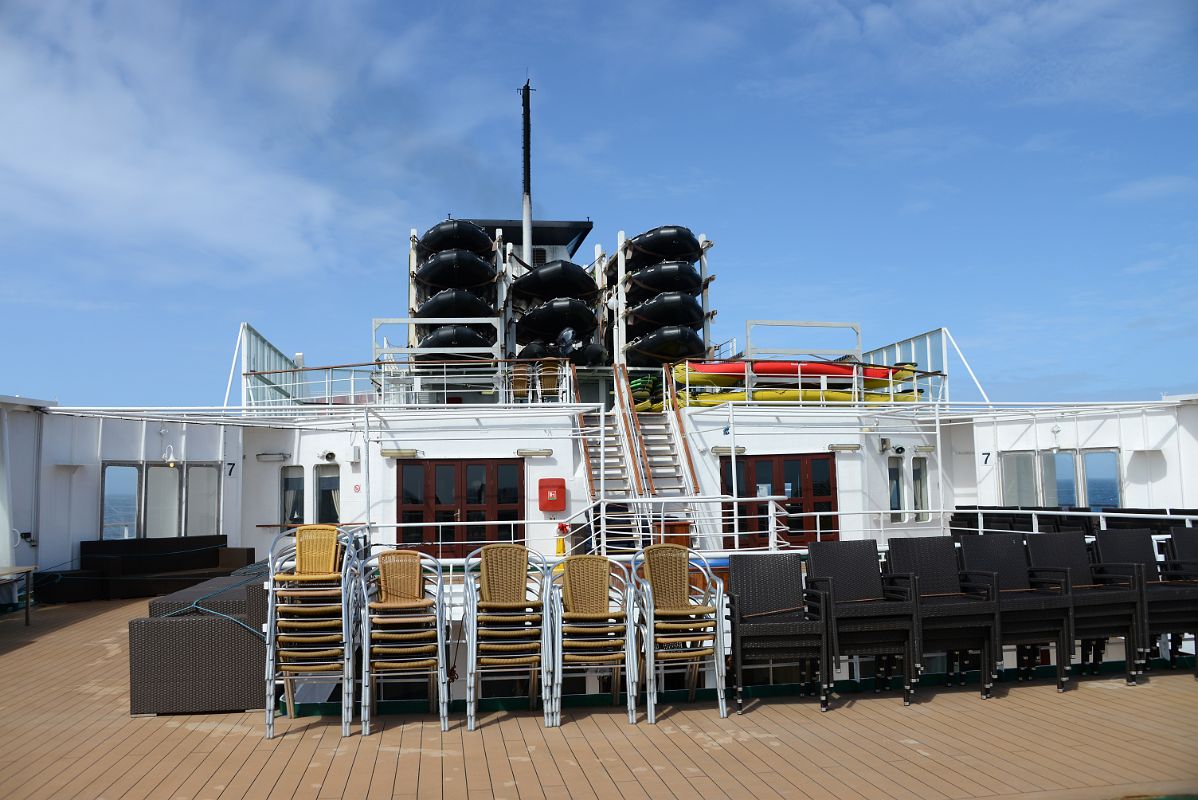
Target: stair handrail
627	414
580	422
677	431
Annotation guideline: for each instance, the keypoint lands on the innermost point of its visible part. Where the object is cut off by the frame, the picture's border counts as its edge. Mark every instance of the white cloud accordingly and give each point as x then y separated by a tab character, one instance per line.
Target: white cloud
1155	188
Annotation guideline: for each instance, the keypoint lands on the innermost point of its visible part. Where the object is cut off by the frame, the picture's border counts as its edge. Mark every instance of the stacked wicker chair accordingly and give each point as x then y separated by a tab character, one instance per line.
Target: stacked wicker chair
592	623
776	622
872	614
1106	602
1035	606
1183	550
312	607
404	627
958	611
505	624
681	625
1169	589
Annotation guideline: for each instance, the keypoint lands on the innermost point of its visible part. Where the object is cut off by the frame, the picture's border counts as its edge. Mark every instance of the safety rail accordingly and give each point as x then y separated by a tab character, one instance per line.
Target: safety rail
412	383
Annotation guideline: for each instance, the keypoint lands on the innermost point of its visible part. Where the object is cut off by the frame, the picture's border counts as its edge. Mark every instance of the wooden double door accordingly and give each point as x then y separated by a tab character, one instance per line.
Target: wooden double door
806	480
435	498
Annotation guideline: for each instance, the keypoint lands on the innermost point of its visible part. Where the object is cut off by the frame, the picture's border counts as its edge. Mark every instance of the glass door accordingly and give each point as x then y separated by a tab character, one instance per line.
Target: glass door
485	492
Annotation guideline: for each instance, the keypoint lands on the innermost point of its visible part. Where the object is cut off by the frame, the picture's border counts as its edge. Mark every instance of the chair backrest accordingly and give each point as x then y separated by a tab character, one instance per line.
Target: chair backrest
767	582
1127	547
998	552
586	584
316	550
932	559
1064	550
503	573
853	567
1183	544
401	576
667	569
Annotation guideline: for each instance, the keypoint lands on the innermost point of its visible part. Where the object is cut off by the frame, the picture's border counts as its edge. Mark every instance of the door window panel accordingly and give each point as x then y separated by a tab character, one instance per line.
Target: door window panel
293	495
413	484
162	501
894	478
1058	478
203	493
328	494
1102	479
919	487
120	501
1018	479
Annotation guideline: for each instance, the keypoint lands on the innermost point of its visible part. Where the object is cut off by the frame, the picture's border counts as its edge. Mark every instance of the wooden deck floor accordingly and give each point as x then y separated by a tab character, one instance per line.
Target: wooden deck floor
67	733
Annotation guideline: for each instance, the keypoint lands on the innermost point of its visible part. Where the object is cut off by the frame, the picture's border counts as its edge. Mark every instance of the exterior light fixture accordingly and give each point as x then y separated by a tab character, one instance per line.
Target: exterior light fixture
168	455
400	452
534	452
725	450
844	448
273	456
925	448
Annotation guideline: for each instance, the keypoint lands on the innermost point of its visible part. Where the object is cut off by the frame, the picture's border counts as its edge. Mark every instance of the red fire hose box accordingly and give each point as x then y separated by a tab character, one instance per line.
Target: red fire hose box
551	494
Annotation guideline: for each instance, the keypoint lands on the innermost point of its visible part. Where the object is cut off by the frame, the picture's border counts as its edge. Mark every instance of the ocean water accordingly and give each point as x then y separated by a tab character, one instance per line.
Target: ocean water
1102	492
120	516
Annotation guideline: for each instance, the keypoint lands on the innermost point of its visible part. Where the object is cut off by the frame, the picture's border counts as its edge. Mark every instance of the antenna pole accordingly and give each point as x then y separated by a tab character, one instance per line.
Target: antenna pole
526	239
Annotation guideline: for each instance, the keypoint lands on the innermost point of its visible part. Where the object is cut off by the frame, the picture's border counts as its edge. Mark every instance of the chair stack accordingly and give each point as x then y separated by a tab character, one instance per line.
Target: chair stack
958	611
681	625
1169	590
404	628
312	606
776	622
872	615
592	621
1035	604
1106	601
505	621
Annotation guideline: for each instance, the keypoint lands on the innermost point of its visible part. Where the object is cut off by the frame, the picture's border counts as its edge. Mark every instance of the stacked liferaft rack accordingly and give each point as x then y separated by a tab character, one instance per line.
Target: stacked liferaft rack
554	306
311	616
662	316
455	289
404	627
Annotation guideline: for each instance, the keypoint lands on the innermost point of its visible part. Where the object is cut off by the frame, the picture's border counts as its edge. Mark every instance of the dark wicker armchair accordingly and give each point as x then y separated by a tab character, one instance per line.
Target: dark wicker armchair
871	615
1106	599
1034	604
958	611
1169	589
776	621
1183	551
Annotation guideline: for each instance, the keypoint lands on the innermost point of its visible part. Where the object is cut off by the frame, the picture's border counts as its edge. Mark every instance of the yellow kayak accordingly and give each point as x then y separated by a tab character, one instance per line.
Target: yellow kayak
793	395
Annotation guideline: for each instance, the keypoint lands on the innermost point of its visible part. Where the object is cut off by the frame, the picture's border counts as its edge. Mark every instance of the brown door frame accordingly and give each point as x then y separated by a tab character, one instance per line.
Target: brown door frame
753	522
458	541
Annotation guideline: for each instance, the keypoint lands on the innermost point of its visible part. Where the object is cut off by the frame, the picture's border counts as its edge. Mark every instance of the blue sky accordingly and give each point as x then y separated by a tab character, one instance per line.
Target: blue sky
1024	173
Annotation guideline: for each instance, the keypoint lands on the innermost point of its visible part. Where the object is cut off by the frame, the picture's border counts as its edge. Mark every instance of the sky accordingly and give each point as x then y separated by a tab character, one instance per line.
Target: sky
1022	173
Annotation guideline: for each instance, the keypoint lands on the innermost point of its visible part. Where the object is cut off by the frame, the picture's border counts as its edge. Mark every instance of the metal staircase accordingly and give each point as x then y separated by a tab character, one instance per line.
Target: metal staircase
659	449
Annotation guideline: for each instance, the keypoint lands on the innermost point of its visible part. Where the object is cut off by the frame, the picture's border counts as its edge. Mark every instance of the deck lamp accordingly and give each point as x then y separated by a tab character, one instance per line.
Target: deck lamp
844	448
400	452
534	452
925	448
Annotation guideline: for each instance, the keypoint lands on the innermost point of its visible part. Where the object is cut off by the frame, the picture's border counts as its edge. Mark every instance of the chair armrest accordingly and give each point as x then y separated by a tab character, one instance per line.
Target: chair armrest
818	604
1179	570
1117	574
900	586
1050	578
973	580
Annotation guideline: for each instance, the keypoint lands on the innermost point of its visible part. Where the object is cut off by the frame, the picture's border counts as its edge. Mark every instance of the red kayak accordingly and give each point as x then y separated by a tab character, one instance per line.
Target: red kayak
727	373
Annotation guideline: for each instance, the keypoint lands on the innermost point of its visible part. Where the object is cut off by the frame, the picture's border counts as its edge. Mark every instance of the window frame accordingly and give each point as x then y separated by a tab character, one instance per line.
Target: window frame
220	488
286	524
138	498
1080	489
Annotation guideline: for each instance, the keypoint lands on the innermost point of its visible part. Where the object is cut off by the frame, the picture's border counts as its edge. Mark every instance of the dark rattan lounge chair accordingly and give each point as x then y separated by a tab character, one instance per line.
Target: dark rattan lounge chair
1034	604
1170	591
776	621
870	616
1183	551
1106	601
958	611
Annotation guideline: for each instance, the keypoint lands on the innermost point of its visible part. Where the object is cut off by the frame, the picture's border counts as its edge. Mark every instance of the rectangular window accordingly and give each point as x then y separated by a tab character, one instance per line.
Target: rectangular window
121	499
293	495
203	495
1102	479
1058	478
894	467
1018	479
328	494
162	501
919	487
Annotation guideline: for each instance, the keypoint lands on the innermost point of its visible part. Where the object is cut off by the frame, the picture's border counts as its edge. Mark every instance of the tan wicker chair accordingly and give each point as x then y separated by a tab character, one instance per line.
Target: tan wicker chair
681	625
592	623
312	605
504	622
404	627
